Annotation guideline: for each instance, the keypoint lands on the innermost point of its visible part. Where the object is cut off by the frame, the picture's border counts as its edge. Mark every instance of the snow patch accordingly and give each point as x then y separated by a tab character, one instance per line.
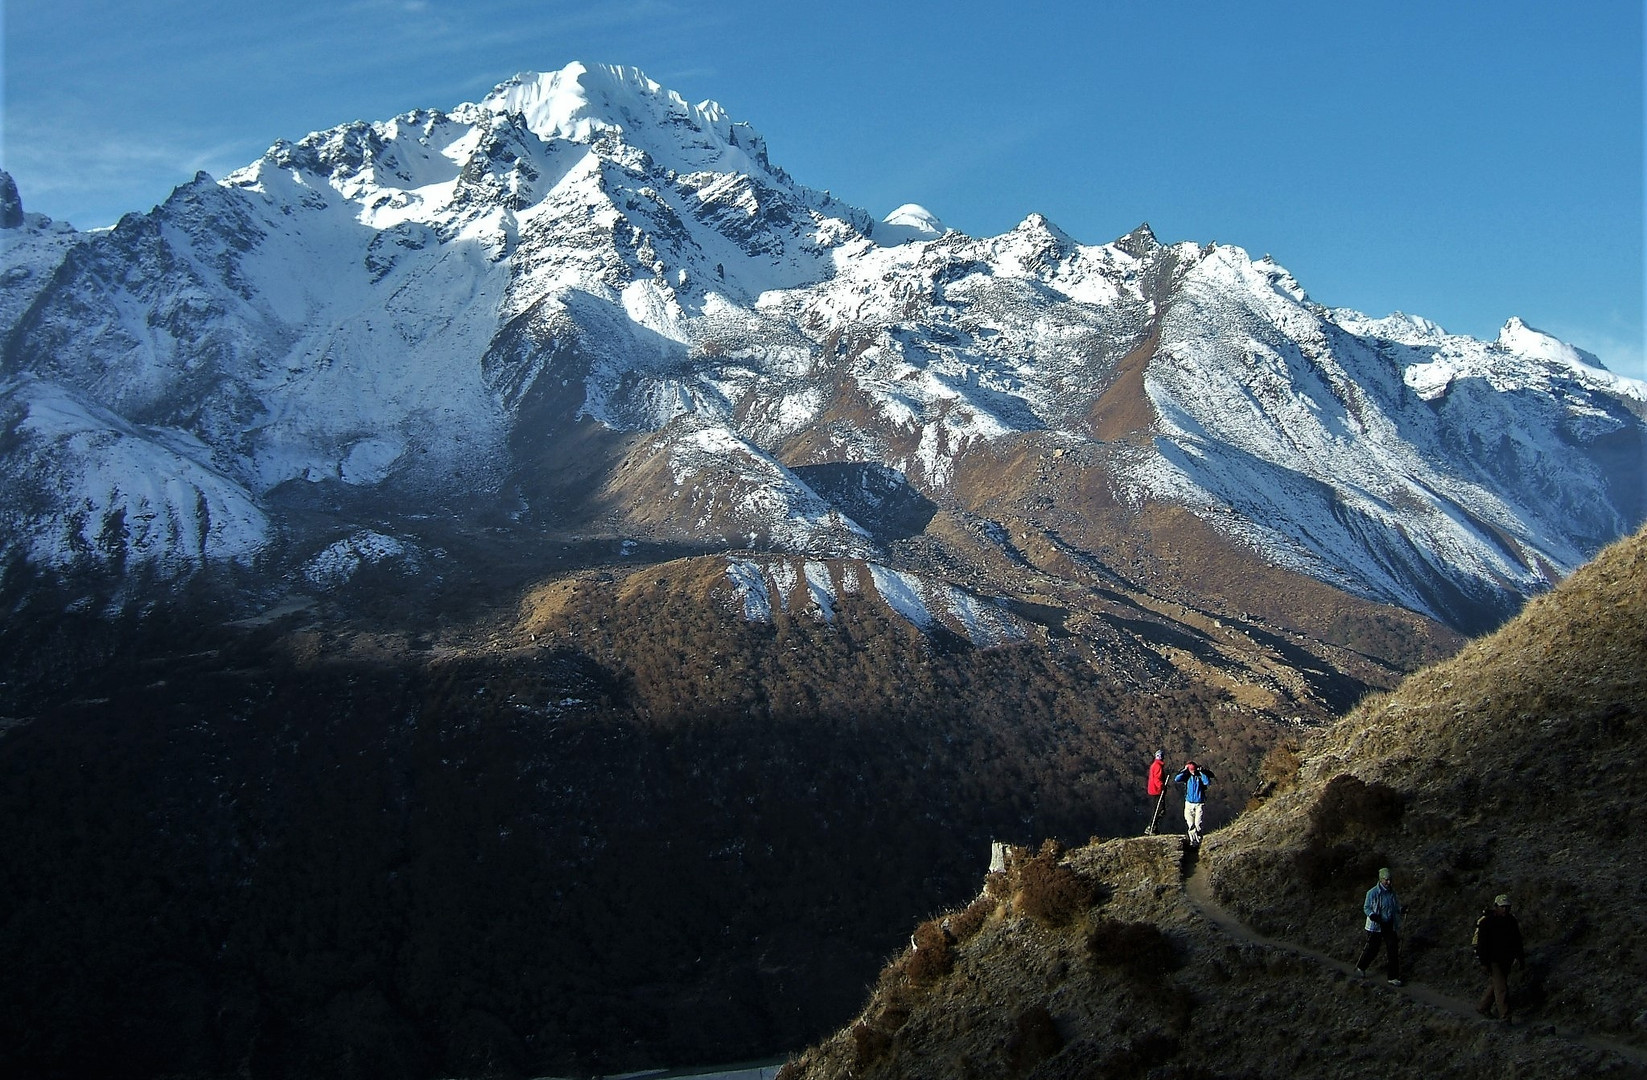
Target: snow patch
86	486
902	593
821	590
340	561
749	585
909	222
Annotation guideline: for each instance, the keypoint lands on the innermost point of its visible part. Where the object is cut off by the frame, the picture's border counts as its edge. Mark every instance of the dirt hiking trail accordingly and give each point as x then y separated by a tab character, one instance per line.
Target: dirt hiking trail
1198	889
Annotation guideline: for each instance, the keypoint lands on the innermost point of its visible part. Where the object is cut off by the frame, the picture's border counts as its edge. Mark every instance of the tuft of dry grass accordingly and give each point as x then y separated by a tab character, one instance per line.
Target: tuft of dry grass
1278	772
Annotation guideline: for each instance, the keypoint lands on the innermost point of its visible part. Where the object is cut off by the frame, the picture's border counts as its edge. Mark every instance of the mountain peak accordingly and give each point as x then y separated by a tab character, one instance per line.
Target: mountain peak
1140	242
1039	223
911	221
581	101
1517	337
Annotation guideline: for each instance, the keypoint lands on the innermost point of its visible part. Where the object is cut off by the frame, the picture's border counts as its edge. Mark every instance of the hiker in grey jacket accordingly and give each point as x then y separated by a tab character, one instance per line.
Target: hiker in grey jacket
1383	927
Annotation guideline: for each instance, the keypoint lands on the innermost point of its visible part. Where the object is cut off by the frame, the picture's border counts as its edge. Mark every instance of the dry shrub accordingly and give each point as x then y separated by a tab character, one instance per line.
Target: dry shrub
931	957
1138	948
1051	893
1278	772
998	886
1034	1038
869	1045
970	919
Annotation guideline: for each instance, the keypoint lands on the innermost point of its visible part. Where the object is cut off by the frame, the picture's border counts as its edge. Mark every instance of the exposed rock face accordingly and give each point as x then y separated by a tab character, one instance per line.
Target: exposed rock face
454	305
11	204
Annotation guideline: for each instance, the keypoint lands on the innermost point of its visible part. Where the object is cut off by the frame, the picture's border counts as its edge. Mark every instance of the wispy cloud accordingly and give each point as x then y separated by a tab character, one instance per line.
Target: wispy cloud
91	177
1622	355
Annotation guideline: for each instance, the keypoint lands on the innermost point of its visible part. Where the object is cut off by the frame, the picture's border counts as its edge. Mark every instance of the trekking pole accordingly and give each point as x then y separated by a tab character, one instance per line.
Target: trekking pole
1159	800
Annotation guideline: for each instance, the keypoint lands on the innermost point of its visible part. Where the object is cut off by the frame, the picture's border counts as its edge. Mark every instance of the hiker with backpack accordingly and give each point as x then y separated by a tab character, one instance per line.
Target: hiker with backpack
1497	944
1195	781
1383	927
1156	786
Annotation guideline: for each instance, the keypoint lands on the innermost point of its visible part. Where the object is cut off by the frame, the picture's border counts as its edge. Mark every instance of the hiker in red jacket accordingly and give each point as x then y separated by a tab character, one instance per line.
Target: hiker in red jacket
1157	788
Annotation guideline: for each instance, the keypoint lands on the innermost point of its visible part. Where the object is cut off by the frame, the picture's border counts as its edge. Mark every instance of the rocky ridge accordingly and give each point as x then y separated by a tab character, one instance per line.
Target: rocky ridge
583	305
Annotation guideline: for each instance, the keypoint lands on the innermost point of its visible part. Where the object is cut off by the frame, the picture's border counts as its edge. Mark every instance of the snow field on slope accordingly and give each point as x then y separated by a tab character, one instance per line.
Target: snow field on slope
339	561
759	583
765	497
646	244
175	510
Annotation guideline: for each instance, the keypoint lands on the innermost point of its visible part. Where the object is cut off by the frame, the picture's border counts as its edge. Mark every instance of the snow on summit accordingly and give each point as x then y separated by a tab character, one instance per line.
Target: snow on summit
447	306
579	102
909	222
1517	337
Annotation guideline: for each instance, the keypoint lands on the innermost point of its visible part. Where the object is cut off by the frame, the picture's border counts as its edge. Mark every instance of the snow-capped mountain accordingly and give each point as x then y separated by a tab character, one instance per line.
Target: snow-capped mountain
594	308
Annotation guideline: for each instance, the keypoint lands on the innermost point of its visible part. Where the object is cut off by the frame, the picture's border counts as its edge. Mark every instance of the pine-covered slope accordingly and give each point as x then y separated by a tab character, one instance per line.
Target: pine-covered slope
1505	769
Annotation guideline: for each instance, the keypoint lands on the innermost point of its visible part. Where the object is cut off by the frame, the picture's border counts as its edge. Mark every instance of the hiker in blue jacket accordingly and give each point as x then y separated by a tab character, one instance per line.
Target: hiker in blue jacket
1383	927
1195	781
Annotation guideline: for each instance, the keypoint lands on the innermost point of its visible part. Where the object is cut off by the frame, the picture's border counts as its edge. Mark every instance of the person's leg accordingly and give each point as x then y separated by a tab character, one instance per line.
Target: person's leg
1392	955
1369	950
1192	818
1500	974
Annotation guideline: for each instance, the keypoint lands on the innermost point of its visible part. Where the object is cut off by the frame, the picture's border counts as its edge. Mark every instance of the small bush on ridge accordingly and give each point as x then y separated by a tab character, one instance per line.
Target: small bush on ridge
1051	893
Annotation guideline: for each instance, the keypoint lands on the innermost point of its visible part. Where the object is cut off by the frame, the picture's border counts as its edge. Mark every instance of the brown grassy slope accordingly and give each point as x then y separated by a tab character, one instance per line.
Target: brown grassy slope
1139	985
1507	768
1517	765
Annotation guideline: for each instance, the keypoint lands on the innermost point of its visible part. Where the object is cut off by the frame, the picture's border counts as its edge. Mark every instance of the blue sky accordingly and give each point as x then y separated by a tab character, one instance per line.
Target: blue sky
1463	161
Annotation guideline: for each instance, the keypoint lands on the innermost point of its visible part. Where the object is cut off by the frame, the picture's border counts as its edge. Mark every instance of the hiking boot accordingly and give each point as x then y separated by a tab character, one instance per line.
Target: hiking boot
1486	1014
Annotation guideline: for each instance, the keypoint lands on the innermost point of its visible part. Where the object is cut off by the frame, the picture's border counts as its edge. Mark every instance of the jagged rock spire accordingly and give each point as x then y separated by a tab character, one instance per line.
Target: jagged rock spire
11	203
1140	242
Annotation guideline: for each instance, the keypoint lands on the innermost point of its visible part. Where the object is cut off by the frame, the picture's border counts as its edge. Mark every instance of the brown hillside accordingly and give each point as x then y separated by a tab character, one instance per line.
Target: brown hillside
1515	767
1507	768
